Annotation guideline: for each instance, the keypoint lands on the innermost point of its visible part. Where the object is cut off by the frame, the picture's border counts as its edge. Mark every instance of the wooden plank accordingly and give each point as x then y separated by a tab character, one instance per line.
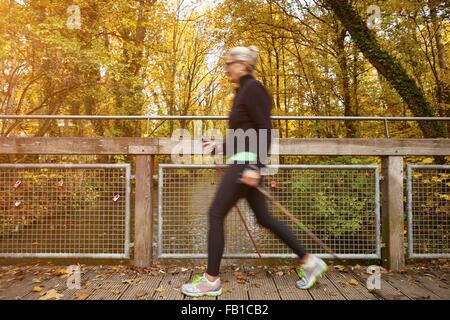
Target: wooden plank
143	229
17	289
351	292
409	288
393	255
287	289
387	291
54	282
61	145
145	288
290	146
85	278
171	285
350	146
59	284
14	275
323	289
438	287
231	289
94	283
262	287
112	288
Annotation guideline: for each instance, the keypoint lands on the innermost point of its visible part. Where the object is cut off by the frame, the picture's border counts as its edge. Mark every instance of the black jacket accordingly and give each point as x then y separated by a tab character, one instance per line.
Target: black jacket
251	110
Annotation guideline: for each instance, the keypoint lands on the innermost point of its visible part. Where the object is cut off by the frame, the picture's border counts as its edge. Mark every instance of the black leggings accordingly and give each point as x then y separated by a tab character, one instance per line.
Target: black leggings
227	195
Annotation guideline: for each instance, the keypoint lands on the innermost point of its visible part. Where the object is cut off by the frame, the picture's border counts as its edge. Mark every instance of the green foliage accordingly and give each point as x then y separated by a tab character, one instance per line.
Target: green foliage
335	207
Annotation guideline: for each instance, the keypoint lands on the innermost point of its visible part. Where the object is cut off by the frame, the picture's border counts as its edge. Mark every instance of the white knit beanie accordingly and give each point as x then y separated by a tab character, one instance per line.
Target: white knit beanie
246	54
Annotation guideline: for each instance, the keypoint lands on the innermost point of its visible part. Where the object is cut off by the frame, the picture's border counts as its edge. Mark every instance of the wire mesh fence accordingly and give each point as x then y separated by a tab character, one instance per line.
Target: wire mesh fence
428	203
65	210
339	203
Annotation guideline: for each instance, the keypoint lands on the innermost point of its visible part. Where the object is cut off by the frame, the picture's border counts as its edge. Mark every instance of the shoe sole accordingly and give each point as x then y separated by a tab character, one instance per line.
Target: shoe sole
319	275
208	294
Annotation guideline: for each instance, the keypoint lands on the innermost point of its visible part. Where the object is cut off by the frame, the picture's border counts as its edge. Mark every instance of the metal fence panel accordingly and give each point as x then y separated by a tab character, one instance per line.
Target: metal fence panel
340	203
428	203
65	210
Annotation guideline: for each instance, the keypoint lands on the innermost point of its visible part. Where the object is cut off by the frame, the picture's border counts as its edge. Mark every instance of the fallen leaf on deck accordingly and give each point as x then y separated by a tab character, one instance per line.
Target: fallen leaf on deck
160	289
37	289
200	267
354	282
184	269
240	277
115	292
340	268
129	281
36	280
280	273
62	273
51	295
80	295
140	294
115	269
172	271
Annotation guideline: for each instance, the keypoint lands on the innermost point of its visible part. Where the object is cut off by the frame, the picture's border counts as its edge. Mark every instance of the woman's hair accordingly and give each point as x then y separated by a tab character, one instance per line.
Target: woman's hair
248	55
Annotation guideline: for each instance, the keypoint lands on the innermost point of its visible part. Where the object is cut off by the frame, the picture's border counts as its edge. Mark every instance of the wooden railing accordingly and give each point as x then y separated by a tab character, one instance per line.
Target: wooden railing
391	152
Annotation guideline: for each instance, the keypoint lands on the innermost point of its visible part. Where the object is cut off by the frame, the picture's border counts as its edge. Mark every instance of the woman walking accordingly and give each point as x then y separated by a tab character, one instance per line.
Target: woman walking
251	111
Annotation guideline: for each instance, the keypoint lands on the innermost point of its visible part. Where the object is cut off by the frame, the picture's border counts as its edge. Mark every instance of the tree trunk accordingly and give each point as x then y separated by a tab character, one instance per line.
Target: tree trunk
345	83
442	82
387	66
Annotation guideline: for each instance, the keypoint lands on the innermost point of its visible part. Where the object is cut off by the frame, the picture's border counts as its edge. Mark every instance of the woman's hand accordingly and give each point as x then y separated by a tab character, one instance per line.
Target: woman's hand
250	177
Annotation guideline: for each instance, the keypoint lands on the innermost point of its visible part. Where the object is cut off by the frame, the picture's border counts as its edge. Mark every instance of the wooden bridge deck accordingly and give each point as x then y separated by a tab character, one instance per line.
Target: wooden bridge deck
32	282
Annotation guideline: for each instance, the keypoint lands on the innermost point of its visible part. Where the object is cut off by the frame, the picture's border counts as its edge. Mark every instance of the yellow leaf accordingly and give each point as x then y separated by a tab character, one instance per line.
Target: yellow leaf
115	269
36	280
37	289
354	282
62	273
339	267
51	295
160	289
80	295
115	292
140	294
130	281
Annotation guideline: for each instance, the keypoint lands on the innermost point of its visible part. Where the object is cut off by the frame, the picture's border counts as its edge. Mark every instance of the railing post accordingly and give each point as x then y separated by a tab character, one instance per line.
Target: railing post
143	234
392	225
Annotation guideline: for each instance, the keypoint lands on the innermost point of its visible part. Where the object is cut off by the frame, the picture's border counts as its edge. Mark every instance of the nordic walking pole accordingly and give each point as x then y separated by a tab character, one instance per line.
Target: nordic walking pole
248	231
294	219
314	237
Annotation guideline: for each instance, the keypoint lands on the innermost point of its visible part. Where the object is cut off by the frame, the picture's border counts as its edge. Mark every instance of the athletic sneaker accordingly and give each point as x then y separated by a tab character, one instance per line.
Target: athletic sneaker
201	286
313	269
